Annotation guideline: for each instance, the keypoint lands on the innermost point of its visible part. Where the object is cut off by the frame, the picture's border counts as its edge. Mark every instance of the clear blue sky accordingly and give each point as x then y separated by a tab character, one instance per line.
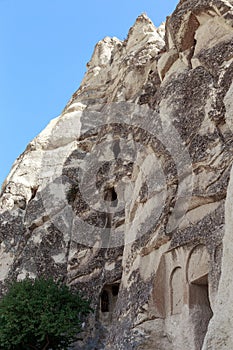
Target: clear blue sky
45	45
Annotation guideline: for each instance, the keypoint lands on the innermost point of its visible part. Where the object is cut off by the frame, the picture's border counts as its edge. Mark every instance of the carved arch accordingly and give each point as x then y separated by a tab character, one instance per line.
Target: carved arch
197	268
176	290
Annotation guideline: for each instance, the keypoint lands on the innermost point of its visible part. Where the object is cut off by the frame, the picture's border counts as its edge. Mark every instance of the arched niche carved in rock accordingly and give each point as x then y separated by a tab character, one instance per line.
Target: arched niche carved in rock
197	266
176	290
108	299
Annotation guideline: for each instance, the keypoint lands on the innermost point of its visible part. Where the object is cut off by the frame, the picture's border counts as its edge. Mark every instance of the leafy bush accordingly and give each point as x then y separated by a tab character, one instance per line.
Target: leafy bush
40	314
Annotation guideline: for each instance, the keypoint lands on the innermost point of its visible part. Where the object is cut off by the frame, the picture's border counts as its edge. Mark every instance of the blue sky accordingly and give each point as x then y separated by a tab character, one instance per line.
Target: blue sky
45	45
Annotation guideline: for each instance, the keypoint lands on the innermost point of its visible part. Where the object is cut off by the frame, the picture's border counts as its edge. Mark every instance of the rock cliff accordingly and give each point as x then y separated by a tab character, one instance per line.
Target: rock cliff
123	196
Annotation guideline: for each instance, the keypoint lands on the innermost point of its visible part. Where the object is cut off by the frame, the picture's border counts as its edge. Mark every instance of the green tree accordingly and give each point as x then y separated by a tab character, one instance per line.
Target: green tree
40	314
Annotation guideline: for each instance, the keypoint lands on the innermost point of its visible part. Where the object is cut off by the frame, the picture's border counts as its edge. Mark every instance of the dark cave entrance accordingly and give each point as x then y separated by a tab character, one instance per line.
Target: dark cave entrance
108	299
110	195
104	301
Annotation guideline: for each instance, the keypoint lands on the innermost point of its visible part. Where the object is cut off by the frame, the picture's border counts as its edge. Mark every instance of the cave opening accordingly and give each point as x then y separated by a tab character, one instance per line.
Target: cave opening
115	289
108	300
104	301
110	195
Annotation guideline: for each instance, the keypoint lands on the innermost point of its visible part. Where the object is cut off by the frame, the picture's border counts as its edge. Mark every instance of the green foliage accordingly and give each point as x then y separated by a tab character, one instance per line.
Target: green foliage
40	315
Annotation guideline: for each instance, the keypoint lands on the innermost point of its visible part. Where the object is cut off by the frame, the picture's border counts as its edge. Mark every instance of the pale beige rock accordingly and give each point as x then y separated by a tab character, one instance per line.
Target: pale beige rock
229	107
6	260
166	61
219	335
148	132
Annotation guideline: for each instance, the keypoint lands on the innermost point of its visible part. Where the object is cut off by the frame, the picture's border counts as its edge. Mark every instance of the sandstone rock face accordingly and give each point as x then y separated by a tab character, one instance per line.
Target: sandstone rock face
123	195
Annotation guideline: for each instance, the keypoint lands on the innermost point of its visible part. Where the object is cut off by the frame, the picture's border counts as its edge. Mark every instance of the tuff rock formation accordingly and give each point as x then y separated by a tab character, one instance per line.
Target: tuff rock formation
124	194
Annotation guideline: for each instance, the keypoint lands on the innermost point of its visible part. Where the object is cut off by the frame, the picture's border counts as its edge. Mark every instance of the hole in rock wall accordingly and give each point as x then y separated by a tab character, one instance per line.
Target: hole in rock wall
115	289
110	195
108	299
104	301
34	192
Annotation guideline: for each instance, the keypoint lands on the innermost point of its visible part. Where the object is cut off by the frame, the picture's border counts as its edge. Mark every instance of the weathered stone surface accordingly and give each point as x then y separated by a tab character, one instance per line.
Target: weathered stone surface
220	334
220	330
123	195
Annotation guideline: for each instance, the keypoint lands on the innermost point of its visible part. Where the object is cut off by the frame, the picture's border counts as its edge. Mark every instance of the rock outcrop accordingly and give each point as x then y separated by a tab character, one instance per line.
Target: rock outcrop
123	196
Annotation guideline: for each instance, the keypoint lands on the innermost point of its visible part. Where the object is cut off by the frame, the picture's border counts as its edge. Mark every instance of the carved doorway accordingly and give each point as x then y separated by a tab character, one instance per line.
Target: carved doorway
199	303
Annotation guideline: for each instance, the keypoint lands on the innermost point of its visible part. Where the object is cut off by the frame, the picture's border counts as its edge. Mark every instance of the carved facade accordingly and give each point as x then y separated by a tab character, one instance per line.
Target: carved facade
123	196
